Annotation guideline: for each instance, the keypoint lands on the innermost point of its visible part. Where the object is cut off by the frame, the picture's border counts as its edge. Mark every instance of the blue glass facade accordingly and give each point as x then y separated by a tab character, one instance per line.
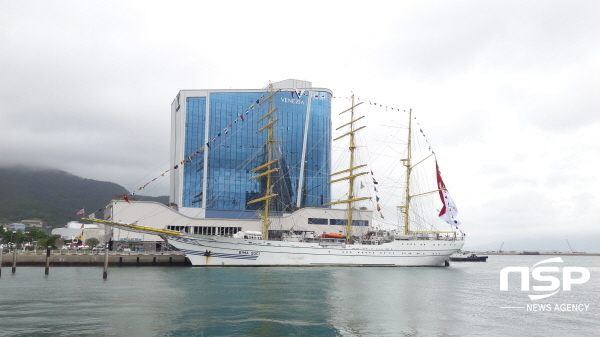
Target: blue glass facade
194	139
235	149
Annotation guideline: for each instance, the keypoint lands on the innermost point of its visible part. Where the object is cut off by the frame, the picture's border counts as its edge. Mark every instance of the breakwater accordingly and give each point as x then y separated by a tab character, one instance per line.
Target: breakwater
534	253
58	260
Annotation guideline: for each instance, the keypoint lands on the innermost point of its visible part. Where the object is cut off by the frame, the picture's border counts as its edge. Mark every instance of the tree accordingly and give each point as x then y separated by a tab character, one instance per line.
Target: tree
18	238
92	242
3	235
59	242
42	243
51	241
34	234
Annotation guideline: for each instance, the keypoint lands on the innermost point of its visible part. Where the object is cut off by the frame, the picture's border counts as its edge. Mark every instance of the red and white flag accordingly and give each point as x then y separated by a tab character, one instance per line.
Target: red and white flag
449	210
81	212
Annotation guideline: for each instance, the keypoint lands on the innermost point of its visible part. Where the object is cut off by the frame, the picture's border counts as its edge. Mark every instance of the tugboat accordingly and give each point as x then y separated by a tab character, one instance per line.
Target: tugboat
465	257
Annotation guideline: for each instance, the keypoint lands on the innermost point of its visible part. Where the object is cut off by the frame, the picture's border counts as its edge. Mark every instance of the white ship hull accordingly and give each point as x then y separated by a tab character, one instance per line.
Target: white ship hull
204	250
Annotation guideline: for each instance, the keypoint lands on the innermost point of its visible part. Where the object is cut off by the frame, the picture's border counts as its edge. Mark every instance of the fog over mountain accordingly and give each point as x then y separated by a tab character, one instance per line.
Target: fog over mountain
53	195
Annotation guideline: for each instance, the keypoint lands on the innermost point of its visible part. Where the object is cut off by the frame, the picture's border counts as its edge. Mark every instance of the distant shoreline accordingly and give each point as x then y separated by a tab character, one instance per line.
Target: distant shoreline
530	253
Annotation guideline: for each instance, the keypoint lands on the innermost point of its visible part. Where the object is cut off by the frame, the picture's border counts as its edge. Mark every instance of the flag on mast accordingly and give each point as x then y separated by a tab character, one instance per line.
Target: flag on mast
81	212
449	210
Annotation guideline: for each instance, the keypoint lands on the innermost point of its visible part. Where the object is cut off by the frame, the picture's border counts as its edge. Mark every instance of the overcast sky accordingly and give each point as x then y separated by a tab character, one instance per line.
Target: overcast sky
505	91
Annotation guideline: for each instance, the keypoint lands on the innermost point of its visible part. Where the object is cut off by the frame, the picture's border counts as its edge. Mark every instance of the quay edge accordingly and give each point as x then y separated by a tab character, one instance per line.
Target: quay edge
62	260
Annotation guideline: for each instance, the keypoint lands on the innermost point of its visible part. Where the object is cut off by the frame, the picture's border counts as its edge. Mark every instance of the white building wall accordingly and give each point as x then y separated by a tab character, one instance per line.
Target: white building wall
158	216
70	233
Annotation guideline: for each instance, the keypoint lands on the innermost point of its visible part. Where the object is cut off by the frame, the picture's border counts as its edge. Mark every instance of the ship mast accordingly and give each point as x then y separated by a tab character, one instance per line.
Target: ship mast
351	175
264	215
407	197
407	163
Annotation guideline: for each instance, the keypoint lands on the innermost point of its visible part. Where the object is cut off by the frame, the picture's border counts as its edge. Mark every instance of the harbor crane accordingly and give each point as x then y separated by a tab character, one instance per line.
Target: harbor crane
570	246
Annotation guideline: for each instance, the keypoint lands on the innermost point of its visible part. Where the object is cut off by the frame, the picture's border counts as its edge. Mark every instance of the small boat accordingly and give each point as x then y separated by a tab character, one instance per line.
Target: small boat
464	257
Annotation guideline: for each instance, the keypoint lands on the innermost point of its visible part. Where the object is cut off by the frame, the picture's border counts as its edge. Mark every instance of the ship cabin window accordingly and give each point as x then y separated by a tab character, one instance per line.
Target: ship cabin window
317	221
338	222
364	223
343	222
229	231
205	230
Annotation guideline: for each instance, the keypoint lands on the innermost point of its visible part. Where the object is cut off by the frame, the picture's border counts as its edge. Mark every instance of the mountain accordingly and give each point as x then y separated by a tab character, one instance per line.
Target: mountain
54	196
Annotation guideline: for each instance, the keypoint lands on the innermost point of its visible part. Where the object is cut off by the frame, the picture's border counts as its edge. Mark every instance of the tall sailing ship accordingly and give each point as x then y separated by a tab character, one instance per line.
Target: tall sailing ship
293	242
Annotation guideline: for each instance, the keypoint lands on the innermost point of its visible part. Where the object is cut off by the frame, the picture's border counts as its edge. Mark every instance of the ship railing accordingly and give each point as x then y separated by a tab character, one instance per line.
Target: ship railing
332	243
438	237
374	240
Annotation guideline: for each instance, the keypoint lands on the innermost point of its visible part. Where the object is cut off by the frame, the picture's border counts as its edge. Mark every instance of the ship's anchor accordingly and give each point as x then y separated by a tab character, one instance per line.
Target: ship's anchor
207	253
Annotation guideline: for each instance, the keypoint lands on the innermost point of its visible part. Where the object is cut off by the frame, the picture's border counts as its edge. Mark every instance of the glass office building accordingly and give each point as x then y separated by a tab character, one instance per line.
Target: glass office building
215	145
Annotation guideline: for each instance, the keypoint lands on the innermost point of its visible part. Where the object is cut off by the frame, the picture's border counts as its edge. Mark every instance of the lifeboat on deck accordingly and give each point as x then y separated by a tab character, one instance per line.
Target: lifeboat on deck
331	236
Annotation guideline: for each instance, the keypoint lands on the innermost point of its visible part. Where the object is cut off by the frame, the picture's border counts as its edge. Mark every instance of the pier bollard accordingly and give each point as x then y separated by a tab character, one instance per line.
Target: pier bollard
47	260
105	274
14	267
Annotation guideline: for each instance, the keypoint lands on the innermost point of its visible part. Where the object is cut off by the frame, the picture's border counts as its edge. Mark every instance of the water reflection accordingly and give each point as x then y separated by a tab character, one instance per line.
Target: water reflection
462	300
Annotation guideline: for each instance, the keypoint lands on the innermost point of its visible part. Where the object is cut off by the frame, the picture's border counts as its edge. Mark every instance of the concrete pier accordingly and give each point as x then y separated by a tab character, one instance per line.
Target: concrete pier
114	260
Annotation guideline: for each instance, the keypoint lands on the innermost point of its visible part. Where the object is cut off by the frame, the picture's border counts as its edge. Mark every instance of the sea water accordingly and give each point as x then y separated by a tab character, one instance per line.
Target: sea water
462	300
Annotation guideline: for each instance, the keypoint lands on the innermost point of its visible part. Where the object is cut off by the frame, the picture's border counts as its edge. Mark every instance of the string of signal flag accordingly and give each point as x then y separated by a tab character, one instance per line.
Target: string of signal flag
240	118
